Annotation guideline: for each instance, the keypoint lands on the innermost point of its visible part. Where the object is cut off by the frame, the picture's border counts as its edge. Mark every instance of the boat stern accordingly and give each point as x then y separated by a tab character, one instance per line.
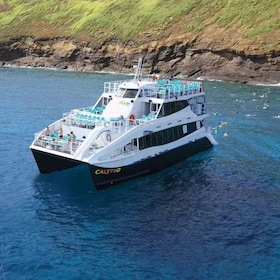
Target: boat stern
49	162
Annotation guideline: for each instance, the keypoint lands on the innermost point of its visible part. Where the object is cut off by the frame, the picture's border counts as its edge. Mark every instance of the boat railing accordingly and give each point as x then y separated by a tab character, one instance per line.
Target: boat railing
165	88
123	125
119	153
54	142
65	144
169	89
112	87
86	119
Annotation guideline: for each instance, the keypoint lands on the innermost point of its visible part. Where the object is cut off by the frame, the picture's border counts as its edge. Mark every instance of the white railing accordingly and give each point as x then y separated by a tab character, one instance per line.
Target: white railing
63	145
112	87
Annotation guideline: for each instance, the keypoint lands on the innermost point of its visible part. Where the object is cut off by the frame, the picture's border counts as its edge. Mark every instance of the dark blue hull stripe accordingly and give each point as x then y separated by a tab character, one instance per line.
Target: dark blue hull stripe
105	177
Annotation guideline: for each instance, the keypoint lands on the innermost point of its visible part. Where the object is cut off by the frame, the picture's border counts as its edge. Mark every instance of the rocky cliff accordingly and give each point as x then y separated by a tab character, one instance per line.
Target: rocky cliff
181	59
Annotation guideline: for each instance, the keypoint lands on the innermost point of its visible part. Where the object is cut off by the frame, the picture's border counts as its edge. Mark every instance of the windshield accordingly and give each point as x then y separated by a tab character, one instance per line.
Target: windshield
129	93
121	91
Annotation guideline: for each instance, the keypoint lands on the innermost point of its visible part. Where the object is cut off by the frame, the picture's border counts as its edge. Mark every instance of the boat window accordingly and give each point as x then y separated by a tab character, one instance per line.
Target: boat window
201	99
165	136
130	93
104	101
154	107
192	101
121	91
173	107
146	92
191	127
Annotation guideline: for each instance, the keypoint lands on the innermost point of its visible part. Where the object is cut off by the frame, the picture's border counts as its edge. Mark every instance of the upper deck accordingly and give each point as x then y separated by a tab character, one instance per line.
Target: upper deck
163	89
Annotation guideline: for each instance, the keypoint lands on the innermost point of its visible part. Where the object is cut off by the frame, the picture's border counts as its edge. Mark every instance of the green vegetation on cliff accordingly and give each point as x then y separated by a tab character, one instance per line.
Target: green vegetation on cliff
232	23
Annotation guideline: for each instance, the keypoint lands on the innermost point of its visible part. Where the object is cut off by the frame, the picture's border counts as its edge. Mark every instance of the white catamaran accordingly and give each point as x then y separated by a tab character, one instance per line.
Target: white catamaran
136	127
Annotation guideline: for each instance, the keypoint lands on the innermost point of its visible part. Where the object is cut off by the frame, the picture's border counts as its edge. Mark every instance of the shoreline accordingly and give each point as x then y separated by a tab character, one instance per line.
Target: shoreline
202	78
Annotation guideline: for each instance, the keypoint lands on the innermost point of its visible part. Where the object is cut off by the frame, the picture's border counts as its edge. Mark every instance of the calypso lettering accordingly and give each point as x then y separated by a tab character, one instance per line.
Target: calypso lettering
107	171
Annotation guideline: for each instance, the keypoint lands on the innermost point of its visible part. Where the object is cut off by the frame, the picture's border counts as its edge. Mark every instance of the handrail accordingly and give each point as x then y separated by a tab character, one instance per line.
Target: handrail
165	89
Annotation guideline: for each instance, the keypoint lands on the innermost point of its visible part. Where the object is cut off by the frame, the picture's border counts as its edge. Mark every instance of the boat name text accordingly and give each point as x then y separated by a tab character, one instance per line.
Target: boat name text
107	171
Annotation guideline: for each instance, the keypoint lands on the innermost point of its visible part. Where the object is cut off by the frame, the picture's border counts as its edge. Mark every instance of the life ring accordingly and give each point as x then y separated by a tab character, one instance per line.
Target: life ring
108	137
131	117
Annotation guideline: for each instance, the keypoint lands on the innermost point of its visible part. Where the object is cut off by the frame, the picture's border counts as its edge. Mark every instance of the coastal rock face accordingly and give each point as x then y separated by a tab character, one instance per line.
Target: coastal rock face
184	60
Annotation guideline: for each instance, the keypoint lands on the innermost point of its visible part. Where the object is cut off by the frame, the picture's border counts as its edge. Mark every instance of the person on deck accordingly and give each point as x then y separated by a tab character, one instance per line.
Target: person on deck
60	133
73	137
47	131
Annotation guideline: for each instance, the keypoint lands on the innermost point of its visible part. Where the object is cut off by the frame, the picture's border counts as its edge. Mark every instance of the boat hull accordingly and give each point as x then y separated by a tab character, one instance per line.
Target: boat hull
106	177
48	162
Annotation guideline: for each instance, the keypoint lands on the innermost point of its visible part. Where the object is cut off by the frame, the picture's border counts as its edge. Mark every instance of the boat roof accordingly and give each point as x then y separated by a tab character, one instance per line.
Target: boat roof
137	84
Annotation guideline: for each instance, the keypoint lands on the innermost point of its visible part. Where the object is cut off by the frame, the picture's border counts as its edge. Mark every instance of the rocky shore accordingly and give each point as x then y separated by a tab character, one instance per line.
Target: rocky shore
184	60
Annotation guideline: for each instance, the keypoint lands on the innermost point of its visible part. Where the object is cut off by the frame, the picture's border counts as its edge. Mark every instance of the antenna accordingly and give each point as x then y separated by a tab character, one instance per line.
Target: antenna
138	71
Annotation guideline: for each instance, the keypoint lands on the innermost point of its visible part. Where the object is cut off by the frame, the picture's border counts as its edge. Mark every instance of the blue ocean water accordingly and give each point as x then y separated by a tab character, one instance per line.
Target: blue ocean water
213	216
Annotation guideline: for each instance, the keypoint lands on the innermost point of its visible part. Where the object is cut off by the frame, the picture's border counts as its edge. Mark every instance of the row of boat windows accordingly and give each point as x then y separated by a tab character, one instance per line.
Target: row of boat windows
172	107
167	135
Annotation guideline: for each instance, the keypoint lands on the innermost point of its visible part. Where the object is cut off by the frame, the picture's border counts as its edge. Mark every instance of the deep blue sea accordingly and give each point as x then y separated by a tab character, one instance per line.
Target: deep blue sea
214	216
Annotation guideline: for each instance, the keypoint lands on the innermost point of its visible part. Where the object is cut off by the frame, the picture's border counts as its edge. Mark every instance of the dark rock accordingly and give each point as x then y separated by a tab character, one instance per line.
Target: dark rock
177	59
